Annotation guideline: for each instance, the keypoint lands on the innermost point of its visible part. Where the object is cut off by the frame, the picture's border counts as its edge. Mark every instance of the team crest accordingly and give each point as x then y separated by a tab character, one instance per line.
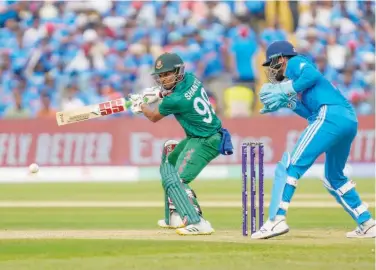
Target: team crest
159	64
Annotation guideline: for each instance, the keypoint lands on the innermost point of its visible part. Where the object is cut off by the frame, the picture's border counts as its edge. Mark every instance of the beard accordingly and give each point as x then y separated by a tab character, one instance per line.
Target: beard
279	77
169	86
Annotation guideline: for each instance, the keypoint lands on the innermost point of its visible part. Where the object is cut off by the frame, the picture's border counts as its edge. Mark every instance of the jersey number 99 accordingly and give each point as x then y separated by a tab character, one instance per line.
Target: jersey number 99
203	107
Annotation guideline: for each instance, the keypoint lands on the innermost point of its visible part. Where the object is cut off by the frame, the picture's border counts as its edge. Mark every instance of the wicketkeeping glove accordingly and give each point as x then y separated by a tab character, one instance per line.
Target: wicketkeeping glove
266	110
274	107
278	95
266	88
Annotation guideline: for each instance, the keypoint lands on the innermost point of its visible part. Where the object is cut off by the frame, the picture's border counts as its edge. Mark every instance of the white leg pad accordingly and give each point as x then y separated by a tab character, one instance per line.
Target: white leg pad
342	191
292	181
284	205
360	209
345	188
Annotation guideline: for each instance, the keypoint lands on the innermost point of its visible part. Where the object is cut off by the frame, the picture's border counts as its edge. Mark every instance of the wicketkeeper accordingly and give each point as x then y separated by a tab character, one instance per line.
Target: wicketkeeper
332	126
184	96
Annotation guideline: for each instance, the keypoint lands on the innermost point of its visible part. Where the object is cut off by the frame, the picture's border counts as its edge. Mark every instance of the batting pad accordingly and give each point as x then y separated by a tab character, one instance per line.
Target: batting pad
167	209
173	187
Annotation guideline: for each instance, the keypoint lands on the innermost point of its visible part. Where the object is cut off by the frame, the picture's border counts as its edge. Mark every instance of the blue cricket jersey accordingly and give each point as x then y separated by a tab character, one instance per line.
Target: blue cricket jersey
315	90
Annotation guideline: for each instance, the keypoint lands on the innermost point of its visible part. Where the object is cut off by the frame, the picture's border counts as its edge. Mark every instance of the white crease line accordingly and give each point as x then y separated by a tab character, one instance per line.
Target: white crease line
151	204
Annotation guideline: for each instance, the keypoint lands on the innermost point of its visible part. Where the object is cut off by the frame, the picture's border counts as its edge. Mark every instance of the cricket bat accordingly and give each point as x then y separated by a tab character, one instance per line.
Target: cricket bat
92	111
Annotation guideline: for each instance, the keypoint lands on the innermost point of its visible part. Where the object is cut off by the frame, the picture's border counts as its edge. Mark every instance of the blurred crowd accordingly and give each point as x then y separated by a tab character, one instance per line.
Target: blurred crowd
57	55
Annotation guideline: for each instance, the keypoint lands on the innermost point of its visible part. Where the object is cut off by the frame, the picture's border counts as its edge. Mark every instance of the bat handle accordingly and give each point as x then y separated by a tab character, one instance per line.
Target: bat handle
128	104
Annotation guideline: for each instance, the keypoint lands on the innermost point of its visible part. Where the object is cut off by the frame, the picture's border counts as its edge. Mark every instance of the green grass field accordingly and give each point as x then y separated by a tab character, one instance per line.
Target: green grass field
113	226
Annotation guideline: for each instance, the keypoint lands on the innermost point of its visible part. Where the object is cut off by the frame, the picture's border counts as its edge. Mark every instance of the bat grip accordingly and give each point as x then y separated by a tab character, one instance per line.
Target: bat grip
128	104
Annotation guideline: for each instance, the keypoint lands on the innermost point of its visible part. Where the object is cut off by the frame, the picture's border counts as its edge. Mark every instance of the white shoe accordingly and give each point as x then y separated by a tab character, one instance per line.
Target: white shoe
175	222
162	223
202	228
366	230
272	228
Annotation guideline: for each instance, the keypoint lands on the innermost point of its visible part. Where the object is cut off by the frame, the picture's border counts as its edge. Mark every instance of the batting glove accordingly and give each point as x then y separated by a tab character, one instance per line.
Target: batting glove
136	100
154	94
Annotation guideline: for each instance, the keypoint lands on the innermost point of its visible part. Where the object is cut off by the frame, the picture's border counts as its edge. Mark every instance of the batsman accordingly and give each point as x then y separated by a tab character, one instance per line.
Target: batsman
183	95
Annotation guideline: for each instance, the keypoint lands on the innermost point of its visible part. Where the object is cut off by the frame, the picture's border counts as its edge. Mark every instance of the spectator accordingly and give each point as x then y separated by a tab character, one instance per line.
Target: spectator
369	11
108	92
48	11
46	110
244	48
272	33
17	109
109	47
317	13
138	65
91	55
336	53
352	89
322	64
208	64
32	34
303	47
367	68
360	46
114	20
8	12
282	10
221	11
72	100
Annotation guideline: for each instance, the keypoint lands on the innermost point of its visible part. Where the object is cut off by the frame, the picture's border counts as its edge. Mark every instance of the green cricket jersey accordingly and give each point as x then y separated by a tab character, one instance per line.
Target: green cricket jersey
190	105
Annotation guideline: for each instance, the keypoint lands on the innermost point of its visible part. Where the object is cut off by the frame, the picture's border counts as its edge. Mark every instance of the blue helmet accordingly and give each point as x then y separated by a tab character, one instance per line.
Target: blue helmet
278	48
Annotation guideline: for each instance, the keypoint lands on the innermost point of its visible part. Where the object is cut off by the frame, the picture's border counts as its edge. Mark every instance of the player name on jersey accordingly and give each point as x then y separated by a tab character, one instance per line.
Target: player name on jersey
191	92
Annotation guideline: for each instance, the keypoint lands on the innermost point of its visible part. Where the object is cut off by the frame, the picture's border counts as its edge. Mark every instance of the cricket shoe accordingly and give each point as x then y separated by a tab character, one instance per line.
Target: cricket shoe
175	222
366	230
202	228
272	228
